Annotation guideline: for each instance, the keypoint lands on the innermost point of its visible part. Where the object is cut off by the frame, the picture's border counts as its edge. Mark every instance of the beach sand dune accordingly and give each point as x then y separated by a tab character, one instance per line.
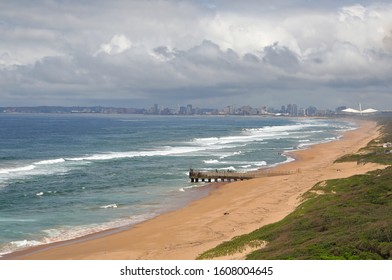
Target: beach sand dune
230	210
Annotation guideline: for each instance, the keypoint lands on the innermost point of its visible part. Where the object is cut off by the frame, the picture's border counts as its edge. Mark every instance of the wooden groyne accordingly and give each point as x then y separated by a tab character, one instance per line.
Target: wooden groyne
228	176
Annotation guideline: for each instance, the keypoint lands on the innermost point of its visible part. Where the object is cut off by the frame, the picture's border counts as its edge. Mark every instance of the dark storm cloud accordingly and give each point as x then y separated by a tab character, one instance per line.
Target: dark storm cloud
281	57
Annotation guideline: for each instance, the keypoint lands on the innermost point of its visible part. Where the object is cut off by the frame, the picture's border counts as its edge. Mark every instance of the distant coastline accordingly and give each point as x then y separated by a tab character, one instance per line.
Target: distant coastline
189	110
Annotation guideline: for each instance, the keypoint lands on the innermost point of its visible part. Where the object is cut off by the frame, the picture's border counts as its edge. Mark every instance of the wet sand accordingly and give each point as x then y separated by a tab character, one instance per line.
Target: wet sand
231	209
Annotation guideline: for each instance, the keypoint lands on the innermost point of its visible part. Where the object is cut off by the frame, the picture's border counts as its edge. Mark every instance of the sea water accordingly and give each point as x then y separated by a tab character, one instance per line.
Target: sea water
65	176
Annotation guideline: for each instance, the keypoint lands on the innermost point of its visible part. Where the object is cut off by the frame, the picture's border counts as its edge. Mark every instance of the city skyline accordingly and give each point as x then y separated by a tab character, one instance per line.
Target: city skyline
135	53
188	109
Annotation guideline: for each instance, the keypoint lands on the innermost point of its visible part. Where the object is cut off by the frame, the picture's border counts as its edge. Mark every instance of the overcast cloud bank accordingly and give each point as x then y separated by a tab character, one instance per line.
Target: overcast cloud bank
209	53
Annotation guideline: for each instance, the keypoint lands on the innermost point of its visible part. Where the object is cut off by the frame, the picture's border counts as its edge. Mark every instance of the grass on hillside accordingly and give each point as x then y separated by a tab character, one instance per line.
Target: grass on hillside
339	219
374	151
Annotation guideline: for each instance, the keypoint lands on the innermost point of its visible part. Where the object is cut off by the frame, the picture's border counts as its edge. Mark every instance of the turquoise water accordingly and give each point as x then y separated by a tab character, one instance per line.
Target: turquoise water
65	176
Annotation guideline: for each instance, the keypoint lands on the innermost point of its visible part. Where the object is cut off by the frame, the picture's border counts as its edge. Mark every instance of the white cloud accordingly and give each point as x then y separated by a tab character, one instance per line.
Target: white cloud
6	59
352	12
118	44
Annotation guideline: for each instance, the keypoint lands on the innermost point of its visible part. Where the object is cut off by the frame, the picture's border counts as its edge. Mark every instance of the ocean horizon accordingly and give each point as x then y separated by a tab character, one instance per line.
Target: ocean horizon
67	176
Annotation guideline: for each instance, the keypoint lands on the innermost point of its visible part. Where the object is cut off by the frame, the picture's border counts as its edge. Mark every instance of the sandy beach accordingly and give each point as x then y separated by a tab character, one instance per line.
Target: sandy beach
230	210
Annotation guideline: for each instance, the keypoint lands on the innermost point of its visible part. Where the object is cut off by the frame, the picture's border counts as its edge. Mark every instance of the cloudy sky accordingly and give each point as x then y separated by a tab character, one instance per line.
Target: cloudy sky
210	53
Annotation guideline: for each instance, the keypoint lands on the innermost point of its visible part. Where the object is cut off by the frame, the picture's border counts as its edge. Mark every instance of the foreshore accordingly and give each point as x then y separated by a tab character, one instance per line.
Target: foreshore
231	209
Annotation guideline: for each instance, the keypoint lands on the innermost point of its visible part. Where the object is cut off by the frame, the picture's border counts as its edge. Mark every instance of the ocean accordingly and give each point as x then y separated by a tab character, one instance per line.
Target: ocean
66	176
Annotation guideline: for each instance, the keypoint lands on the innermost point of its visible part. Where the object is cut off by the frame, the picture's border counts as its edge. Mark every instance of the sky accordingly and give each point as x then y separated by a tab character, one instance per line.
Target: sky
209	53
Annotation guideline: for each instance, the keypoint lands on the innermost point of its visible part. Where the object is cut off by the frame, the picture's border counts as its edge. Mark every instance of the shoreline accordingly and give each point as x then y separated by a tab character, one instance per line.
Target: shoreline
228	210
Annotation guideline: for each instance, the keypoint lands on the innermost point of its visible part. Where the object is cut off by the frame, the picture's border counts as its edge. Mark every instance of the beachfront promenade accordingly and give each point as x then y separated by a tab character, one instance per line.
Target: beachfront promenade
228	176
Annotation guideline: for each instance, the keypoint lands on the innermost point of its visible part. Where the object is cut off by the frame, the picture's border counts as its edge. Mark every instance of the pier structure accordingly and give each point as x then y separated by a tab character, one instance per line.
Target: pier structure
228	176
217	176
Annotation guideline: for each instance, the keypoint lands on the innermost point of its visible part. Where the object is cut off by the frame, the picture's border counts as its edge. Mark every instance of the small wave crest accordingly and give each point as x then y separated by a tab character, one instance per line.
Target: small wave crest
230	155
43	167
199	185
71	232
223	142
230	168
50	161
164	151
211	161
17	169
108	206
18	245
277	130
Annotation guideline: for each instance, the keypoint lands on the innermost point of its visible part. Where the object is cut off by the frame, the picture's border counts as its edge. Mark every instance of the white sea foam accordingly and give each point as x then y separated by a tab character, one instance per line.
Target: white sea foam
44	167
211	161
249	135
196	147
15	172
278	130
223	141
50	161
253	166
206	141
165	151
18	245
304	145
200	184
72	232
63	165
17	169
108	206
256	163
288	159
230	168
230	155
25	243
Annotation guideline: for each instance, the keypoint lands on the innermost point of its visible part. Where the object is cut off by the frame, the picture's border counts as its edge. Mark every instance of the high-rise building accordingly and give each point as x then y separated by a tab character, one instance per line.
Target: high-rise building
182	110
189	110
292	109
